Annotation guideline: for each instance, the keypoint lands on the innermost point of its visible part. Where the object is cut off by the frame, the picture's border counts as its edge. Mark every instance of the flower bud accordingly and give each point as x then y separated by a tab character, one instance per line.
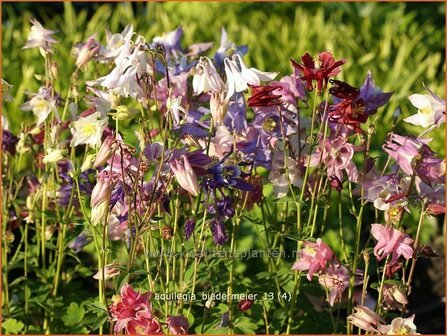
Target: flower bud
88	51
105	152
245	305
87	164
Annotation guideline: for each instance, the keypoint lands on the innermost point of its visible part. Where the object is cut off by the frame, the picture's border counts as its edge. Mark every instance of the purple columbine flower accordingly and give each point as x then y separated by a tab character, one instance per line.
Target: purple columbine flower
79	242
373	96
9	142
218	230
189	226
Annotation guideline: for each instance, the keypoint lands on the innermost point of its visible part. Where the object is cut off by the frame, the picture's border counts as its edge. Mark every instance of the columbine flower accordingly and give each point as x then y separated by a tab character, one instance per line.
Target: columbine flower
40	37
239	76
336	280
313	258
189	226
431	110
132	311
206	78
42	104
391	241
400	326
6	92
105	152
394	297
227	49
365	319
262	96
88	130
218	230
350	109
373	96
278	174
185	175
174	107
53	155
327	67
384	191
414	156
337	156
101	198
178	325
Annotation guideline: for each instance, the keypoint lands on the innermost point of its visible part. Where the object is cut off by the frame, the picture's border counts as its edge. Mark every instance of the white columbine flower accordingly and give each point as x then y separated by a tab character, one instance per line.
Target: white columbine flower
239	76
42	104
206	77
53	155
88	130
431	110
39	37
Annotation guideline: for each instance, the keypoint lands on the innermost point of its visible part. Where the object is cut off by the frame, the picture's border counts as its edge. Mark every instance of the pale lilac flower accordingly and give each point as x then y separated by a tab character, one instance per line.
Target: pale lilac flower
415	157
118	44
227	49
102	101
391	241
42	104
313	258
336	279
278	174
365	319
400	326
40	37
88	130
185	175
384	191
337	156
431	110
206	77
239	76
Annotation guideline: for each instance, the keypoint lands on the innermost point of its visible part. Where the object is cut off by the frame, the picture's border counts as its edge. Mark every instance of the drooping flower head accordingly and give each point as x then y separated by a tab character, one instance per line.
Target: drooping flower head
178	325
400	326
185	175
319	69
365	319
42	104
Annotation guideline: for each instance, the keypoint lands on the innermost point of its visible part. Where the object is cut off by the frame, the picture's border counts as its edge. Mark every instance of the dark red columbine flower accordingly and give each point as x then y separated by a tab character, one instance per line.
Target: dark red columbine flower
262	96
321	72
350	109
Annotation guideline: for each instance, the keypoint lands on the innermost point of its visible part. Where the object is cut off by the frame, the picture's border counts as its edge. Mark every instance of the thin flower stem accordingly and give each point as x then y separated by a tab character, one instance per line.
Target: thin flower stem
415	246
382	283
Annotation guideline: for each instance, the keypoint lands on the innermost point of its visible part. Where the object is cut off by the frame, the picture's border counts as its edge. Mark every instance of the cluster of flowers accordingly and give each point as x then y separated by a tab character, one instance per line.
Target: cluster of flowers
217	139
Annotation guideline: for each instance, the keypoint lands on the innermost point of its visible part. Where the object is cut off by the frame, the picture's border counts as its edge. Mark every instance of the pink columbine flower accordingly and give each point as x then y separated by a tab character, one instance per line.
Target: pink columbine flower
185	175
132	311
105	152
391	241
313	258
337	156
365	319
399	326
88	51
394	297
109	272
178	325
415	157
386	191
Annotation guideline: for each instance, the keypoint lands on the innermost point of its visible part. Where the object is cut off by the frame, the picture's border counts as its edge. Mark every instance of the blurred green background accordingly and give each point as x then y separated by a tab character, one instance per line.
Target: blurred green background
403	44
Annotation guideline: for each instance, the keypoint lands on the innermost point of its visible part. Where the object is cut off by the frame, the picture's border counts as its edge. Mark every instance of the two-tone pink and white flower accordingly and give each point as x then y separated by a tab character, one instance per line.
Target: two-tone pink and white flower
365	319
185	175
399	326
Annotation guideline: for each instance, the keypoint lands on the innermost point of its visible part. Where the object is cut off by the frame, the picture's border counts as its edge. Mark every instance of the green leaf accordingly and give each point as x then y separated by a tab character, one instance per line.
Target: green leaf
73	315
12	326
